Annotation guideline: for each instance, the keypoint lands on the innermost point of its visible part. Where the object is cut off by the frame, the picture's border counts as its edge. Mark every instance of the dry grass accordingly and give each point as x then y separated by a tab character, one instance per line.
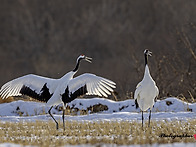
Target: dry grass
8	100
109	132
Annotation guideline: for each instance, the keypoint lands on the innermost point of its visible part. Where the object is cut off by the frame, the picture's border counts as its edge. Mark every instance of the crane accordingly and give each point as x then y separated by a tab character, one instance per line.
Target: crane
146	90
59	91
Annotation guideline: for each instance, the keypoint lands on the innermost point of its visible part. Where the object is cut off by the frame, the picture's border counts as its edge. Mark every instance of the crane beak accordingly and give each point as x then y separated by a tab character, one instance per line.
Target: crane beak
88	59
149	53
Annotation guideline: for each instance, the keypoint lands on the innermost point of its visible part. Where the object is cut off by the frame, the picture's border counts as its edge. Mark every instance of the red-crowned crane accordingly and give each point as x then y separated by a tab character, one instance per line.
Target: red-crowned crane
146	91
59	91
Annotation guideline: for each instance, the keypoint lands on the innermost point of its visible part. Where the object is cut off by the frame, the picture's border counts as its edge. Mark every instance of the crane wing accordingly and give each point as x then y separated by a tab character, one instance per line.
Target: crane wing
157	91
138	90
88	84
37	87
136	94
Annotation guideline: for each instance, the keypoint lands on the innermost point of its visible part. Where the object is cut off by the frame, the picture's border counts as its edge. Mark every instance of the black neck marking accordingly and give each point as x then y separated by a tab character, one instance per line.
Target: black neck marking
77	65
146	58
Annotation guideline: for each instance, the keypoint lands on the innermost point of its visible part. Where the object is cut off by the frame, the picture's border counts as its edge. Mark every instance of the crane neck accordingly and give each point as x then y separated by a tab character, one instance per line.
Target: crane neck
77	65
146	59
147	71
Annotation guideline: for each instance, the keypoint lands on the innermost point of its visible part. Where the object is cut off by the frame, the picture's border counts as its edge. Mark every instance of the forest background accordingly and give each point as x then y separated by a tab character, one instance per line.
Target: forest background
45	37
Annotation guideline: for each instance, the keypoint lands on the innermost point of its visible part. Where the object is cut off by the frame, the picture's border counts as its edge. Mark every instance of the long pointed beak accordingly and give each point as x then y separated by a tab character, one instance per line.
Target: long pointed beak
88	59
149	53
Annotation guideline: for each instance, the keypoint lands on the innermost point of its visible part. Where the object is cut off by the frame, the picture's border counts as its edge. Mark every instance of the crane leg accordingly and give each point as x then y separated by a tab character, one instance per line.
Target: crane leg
142	119
63	117
149	119
57	125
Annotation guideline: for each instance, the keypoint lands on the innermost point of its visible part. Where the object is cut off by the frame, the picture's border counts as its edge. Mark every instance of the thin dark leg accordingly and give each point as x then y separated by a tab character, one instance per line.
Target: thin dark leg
63	118
142	119
57	125
149	119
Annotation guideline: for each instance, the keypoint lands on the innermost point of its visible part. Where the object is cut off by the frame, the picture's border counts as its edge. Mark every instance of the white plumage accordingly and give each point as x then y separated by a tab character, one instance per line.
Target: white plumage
57	91
95	85
35	82
146	91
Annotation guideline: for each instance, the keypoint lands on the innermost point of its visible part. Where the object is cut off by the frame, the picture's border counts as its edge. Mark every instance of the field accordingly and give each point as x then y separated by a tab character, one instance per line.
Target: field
97	129
104	132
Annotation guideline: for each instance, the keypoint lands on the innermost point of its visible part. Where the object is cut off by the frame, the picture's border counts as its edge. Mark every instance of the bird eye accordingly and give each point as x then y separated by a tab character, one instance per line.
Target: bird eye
82	56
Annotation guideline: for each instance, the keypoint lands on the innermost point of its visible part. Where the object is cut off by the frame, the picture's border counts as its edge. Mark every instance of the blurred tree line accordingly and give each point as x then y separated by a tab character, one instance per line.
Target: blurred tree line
45	37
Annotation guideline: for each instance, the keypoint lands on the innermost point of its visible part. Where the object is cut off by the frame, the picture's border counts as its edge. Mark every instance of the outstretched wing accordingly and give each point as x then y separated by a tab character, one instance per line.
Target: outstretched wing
37	87
88	84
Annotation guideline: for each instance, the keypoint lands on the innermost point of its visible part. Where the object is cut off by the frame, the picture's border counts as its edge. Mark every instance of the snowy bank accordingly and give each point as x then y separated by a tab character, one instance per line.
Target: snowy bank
29	108
168	109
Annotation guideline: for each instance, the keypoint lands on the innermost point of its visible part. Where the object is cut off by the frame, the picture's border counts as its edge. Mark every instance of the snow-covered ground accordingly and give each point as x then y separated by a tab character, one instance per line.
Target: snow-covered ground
168	109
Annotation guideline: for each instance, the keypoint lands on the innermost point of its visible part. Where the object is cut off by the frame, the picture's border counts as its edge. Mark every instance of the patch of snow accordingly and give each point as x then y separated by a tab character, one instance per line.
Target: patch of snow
167	105
13	145
118	116
169	109
173	105
29	108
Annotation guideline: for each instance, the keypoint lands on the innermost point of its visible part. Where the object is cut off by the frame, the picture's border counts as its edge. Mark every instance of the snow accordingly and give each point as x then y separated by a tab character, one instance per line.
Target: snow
29	108
116	111
168	109
117	116
12	145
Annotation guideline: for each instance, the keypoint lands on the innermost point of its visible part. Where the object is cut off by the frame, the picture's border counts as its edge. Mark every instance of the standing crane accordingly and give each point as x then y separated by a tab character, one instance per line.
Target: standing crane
59	91
146	90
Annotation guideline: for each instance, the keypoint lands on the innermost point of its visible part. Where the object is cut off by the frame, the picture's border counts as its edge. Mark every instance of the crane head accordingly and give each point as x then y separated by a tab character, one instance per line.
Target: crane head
147	52
83	57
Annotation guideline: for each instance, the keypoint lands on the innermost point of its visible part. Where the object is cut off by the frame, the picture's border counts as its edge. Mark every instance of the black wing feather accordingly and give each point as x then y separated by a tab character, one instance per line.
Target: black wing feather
44	96
136	104
68	97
